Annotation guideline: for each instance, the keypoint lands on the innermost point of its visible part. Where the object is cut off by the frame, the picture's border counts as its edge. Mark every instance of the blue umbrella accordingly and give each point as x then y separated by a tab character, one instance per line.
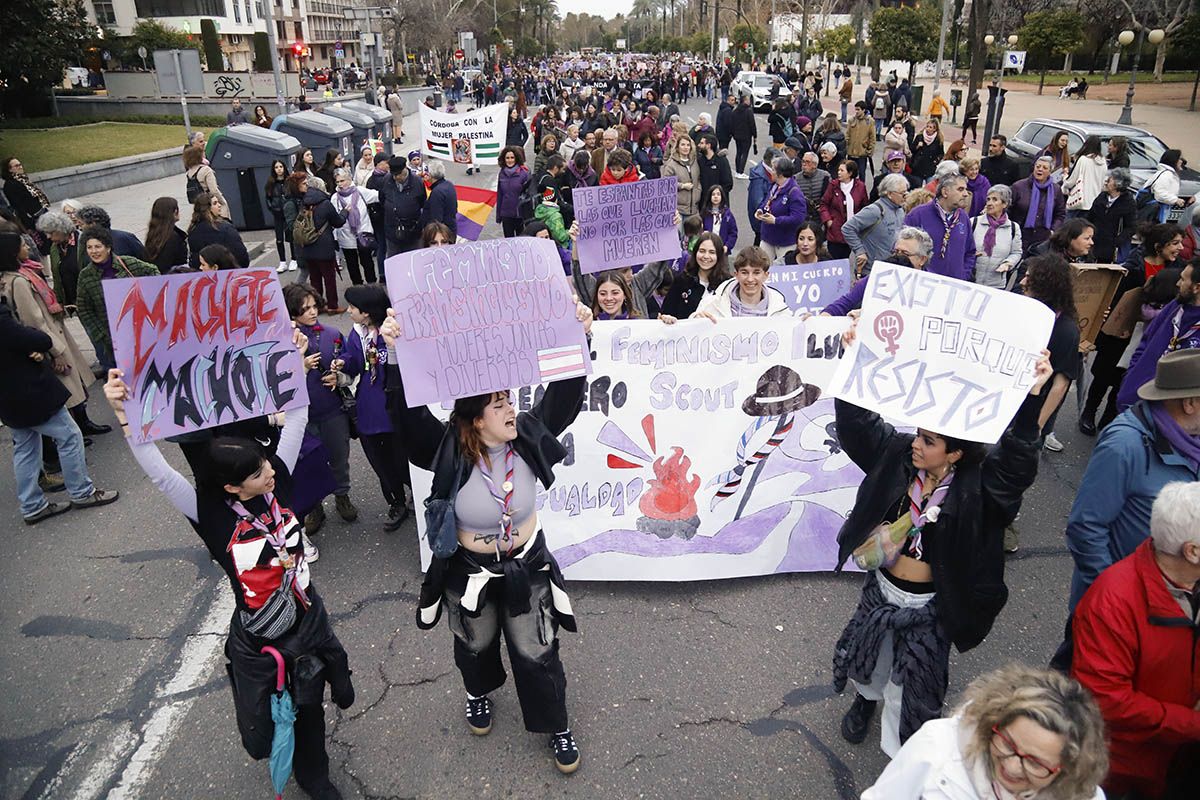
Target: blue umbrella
283	714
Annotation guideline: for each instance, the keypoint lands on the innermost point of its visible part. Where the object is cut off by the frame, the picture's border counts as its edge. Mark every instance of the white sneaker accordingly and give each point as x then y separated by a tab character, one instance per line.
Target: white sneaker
1053	444
292	265
743	176
311	553
282	266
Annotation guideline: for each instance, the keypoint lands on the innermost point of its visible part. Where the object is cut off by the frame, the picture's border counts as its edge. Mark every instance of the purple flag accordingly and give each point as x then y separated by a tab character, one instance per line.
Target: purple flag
203	349
627	224
484	317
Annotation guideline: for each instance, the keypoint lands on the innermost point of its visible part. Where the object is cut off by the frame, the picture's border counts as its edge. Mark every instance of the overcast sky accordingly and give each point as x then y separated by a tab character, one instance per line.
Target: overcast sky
606	8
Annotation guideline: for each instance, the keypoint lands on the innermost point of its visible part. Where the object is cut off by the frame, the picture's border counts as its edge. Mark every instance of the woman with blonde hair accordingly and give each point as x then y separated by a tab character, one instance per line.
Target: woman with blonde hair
681	163
1020	733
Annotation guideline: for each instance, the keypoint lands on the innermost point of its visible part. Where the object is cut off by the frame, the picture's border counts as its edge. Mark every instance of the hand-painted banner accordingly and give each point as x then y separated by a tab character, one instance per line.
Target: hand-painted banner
811	287
484	317
474	138
203	349
702	451
942	354
626	224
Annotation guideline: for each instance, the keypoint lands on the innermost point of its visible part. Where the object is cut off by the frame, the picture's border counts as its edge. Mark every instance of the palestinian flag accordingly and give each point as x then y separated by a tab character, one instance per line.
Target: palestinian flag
438	148
474	207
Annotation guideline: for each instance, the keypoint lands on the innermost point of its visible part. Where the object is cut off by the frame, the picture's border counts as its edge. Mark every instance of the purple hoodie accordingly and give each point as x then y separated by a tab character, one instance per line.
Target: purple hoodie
509	185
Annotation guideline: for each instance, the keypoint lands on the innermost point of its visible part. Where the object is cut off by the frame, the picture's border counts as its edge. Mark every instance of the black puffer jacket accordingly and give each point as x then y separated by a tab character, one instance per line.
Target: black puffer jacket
966	544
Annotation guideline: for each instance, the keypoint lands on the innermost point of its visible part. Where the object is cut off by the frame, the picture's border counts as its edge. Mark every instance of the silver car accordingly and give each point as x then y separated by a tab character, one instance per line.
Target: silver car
759	86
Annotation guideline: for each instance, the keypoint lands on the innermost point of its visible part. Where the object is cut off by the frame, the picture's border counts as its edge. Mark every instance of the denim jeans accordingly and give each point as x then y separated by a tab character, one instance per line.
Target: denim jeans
27	461
845	106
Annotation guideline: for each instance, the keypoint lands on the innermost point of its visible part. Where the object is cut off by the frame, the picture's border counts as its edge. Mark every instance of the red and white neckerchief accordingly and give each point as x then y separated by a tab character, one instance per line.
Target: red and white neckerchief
1178	338
276	536
503	498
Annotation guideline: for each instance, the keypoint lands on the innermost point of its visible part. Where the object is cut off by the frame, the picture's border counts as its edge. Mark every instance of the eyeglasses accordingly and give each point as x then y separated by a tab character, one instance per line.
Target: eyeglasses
1032	766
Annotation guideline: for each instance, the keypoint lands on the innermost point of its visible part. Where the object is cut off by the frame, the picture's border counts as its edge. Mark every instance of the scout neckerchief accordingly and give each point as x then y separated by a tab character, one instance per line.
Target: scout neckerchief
503	500
919	510
276	536
1178	339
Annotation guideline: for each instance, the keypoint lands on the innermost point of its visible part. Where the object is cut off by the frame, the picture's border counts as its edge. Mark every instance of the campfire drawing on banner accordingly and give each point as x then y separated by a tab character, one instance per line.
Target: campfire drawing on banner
669	505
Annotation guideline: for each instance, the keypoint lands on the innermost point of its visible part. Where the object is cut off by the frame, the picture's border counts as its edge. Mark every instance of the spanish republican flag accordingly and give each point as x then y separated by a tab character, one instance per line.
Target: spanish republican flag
474	207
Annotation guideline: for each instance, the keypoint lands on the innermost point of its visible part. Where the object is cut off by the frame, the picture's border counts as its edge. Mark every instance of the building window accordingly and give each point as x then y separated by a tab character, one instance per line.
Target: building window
237	12
299	29
249	17
179	8
324	52
105	15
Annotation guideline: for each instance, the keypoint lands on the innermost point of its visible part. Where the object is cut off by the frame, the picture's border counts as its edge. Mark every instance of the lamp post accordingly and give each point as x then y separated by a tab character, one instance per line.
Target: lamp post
996	91
1125	37
854	44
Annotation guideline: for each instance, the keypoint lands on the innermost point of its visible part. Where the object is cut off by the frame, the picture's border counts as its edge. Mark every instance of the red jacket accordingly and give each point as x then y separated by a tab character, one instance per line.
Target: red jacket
833	207
630	176
1136	651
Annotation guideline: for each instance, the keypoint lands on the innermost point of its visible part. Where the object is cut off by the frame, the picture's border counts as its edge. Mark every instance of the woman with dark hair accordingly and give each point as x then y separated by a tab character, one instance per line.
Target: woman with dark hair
845	196
166	242
580	172
1048	280
240	507
1114	213
1118	153
437	234
261	118
276	195
328	418
333	162
945	584
492	571
1164	186
718	217
1086	181
1060	156
514	177
26	198
294	190
366	358
810	246
1071	241
779	122
102	264
613	298
517	133
707	268
649	156
306	162
216	256
208	226
928	148
548	148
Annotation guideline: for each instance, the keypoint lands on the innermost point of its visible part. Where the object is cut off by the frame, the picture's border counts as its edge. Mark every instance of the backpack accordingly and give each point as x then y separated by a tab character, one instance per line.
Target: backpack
194	188
304	230
1147	208
880	103
528	201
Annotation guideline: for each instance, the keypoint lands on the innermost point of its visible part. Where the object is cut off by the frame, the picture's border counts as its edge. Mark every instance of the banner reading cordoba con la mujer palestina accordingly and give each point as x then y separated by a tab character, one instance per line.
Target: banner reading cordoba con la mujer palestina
203	349
473	138
702	451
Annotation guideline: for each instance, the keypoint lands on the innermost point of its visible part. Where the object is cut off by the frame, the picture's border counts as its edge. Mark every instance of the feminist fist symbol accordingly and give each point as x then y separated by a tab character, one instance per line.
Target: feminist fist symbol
888	327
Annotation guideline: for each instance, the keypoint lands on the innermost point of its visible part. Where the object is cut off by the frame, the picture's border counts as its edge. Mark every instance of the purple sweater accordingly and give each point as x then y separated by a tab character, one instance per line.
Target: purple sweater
508	191
1155	340
323	402
953	257
370	396
729	229
790	209
849	301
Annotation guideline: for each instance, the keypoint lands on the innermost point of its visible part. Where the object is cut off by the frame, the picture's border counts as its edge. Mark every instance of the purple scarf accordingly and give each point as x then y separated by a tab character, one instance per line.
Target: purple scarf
989	238
1184	443
1041	193
352	216
606	315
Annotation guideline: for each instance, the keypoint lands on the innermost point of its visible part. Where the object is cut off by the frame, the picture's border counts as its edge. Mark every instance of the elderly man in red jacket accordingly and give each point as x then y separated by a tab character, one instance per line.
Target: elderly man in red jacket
1137	648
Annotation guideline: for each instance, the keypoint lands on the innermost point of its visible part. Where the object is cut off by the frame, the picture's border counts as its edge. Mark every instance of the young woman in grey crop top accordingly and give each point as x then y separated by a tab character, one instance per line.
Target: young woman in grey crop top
495	573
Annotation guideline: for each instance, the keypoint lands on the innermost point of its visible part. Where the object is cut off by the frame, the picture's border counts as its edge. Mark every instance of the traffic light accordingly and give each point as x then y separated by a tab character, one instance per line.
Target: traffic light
298	49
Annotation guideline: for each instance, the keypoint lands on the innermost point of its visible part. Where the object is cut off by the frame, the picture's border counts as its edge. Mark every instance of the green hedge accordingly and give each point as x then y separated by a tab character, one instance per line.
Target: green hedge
198	121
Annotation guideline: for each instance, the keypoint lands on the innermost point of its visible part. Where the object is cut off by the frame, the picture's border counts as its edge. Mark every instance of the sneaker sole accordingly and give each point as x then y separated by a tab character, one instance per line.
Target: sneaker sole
567	769
44	517
95	504
479	731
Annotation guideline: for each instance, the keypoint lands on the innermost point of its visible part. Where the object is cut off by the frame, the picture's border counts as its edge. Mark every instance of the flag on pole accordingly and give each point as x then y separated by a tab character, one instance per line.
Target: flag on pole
474	207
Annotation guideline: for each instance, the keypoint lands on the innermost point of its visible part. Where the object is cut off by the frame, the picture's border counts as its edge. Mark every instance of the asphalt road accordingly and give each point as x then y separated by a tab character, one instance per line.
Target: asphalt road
113	621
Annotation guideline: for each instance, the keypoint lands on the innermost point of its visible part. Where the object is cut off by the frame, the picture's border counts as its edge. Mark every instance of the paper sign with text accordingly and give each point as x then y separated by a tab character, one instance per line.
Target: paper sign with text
701	452
811	287
942	354
626	224
484	317
203	349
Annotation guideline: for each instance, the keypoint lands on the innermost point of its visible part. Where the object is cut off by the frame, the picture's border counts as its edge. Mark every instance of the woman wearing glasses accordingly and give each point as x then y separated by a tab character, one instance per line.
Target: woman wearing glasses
1020	733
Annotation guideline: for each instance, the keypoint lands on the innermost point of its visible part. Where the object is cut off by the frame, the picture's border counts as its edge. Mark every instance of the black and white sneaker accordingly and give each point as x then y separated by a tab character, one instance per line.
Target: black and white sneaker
566	752
479	715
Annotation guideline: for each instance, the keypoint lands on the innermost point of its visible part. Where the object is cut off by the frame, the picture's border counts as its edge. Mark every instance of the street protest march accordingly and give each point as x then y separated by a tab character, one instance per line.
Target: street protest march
474	138
482	317
626	224
943	354
702	452
203	349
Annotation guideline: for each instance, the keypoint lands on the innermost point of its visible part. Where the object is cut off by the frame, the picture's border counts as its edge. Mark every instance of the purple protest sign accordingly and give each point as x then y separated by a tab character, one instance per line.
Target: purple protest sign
203	349
811	287
484	317
626	224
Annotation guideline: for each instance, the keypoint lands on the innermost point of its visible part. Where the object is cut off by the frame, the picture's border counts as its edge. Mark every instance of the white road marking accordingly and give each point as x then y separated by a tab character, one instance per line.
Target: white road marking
122	742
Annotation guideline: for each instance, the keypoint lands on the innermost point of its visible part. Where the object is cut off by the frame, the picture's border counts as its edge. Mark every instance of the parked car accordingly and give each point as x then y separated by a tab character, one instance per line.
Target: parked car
758	86
321	76
1145	149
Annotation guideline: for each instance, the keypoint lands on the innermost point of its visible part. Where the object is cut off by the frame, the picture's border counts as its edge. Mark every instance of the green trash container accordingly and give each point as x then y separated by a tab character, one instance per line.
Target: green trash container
917	109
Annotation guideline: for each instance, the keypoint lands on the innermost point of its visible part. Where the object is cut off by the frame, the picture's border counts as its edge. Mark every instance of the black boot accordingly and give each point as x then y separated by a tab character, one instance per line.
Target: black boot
858	719
86	426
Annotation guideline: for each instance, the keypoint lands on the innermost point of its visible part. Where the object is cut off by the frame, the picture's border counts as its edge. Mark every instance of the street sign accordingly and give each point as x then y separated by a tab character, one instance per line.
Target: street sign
723	43
460	55
339	52
143	52
620	44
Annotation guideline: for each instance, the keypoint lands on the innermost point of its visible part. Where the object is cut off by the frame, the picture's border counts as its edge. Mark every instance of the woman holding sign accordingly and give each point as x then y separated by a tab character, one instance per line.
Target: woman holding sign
240	507
928	526
492	570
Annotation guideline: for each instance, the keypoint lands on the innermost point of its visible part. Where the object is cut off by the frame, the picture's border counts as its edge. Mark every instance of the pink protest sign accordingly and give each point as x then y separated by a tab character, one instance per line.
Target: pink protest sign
627	224
203	349
484	317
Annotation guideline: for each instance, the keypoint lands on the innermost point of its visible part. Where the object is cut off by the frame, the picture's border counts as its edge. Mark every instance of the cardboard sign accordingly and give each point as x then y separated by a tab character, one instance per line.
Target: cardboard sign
943	354
808	288
203	349
702	452
484	317
627	224
1094	286
474	138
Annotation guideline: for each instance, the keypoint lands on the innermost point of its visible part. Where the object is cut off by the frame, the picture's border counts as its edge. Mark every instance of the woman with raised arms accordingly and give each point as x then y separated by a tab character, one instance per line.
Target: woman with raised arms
492	571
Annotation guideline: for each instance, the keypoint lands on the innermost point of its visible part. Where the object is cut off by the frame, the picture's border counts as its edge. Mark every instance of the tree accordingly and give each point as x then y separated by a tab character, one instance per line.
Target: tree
41	39
906	34
212	45
153	35
743	34
834	43
1049	35
1187	42
1166	14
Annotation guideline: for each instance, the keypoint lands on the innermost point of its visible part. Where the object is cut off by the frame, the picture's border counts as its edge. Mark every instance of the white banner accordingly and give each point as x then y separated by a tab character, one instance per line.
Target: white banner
951	357
473	138
702	451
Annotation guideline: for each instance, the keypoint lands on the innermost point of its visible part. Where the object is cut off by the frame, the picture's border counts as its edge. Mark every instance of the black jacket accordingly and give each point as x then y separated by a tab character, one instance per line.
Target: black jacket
174	252
714	171
966	544
1114	223
324	216
222	232
23	201
724	124
31	392
684	296
441	205
999	170
743	126
402	208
